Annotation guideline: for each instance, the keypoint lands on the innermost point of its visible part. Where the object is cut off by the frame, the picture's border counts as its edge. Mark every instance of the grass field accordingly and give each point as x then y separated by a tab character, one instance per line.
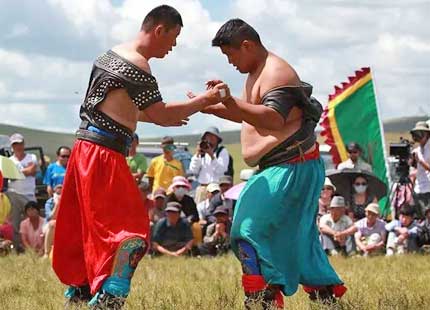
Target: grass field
28	283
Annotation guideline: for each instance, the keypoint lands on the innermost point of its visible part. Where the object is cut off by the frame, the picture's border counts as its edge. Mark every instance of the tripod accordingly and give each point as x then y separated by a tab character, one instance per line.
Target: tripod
401	193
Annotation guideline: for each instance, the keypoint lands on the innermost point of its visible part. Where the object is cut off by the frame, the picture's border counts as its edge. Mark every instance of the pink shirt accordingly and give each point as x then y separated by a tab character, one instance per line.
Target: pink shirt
33	236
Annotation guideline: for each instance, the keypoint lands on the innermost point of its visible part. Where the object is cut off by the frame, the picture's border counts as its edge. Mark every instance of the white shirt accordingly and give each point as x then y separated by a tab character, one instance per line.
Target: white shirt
422	182
27	186
203	209
349	164
342	223
209	170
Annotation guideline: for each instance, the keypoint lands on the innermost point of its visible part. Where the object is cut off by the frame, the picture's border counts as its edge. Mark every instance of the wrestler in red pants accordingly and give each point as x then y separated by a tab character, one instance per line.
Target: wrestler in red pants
102	226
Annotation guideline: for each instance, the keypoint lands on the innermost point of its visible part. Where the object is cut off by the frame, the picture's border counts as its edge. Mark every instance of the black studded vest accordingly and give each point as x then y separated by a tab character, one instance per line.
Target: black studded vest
111	71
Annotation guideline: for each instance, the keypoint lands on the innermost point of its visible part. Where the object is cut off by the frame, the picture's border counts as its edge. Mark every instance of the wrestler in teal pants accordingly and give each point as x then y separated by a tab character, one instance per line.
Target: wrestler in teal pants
276	215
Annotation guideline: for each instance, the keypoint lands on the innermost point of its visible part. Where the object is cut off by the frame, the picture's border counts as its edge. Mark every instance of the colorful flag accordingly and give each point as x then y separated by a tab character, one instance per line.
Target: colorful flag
352	115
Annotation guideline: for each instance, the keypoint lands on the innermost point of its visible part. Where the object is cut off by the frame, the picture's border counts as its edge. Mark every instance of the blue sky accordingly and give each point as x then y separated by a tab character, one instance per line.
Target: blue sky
47	48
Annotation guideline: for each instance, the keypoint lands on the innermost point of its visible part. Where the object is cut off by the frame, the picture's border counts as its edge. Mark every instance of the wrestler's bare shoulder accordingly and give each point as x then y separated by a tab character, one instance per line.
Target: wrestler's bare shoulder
277	72
128	52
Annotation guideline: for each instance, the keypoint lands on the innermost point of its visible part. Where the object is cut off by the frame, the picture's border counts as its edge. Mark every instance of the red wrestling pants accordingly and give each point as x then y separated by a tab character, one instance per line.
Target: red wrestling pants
100	207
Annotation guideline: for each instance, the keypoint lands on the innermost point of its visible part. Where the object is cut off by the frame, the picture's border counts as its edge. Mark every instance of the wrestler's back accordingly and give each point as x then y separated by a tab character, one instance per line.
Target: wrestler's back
256	142
118	104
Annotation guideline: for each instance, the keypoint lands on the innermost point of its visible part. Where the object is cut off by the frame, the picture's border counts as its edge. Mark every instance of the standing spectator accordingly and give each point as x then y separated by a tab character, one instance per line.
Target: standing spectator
210	162
326	195
360	199
56	171
136	161
354	161
164	168
332	225
402	233
20	192
27	164
421	155
31	229
217	237
179	190
370	236
172	235
158	212
203	208
51	208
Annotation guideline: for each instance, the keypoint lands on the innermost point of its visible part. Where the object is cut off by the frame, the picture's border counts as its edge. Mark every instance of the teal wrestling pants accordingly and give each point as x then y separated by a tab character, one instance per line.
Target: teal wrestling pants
276	214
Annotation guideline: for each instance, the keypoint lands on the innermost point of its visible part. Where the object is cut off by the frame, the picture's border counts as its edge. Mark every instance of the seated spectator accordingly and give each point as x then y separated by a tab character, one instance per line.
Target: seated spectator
360	199
225	183
51	209
31	229
424	230
326	195
217	237
158	212
55	172
179	189
370	236
136	161
144	189
402	233
354	161
172	235
332	225
203	208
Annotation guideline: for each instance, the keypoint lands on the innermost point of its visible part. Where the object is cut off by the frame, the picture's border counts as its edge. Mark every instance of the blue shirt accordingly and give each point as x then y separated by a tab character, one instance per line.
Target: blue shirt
54	175
49	207
164	232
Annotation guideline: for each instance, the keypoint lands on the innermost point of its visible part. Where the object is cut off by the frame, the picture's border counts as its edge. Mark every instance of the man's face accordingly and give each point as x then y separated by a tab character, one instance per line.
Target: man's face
354	154
18	148
173	217
32	212
336	213
168	149
166	39
237	57
63	157
327	192
58	190
405	220
225	187
419	136
212	139
221	218
159	202
371	218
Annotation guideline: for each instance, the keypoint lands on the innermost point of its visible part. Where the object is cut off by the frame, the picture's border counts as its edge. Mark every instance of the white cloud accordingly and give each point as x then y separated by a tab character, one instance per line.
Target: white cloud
325	40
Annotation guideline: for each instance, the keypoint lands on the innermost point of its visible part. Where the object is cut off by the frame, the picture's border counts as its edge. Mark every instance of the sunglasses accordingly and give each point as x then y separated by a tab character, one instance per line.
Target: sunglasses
360	183
64	156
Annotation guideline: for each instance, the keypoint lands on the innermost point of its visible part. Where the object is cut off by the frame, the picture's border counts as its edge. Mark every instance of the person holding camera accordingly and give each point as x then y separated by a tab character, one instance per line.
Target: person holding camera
210	162
421	157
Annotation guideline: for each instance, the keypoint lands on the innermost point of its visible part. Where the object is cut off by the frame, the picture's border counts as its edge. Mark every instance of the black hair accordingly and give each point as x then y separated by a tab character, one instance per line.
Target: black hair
163	14
63	147
407	210
31	204
234	32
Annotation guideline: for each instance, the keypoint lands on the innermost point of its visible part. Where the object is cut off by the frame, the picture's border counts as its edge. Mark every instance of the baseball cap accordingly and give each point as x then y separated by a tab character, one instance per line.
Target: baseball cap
373	207
16	138
167	140
220	210
160	193
173	206
225	179
337	202
212	187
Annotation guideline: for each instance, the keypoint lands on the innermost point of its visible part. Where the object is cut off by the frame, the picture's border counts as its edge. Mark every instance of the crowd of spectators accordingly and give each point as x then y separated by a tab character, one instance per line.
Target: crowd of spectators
190	214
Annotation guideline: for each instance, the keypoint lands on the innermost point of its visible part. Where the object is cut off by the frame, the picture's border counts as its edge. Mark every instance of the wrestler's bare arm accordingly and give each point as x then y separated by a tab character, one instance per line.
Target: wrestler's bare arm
230	113
165	114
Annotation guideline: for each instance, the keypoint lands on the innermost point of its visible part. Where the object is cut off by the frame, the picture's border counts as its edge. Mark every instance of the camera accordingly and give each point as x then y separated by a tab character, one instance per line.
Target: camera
402	152
205	145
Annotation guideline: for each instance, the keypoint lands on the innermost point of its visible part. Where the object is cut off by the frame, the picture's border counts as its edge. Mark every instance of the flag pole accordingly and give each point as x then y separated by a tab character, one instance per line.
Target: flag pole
381	127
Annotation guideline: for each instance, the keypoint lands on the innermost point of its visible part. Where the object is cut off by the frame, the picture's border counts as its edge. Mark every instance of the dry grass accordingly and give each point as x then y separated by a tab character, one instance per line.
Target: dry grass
28	283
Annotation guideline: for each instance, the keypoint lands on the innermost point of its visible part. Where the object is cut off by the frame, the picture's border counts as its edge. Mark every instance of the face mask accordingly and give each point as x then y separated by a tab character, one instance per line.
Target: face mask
360	188
180	192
